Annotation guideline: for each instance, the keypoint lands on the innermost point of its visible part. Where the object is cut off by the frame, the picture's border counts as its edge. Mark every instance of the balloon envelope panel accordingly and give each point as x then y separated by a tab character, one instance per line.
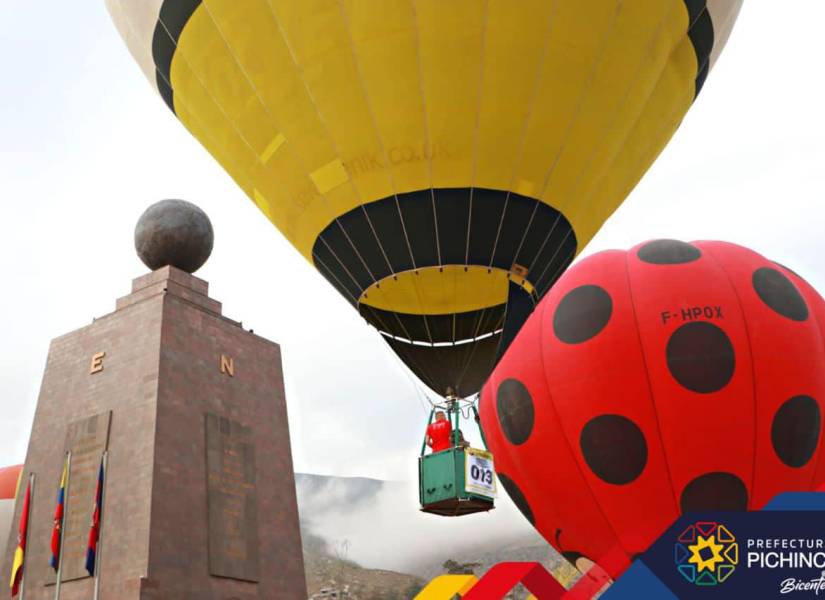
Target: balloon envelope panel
423	155
671	378
8	487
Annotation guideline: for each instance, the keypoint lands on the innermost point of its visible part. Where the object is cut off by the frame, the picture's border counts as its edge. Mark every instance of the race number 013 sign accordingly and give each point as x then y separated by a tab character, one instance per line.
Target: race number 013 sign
479	474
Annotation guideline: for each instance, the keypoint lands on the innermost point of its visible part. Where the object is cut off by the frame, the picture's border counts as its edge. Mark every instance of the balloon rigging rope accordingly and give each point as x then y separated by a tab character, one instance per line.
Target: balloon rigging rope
498	232
392	270
334	276
553	258
378	287
591	76
377	239
377	132
355	249
479	89
622	101
378	317
384	325
646	57
470	355
524	130
520	154
526	231
469	228
357	301
273	123
404	229
426	129
577	111
415	268
340	262
435	224
465	412
246	142
562	266
543	244
426	374
469	358
475	144
414	385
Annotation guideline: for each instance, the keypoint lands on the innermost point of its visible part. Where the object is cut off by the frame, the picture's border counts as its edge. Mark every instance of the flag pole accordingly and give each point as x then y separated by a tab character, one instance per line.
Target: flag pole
63	524
98	546
26	541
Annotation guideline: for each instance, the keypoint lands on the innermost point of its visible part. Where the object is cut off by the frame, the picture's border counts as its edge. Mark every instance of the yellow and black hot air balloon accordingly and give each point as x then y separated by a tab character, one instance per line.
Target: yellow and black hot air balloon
440	162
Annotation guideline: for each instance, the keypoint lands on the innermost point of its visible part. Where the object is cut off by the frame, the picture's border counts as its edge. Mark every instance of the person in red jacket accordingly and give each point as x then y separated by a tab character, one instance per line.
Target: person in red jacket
438	433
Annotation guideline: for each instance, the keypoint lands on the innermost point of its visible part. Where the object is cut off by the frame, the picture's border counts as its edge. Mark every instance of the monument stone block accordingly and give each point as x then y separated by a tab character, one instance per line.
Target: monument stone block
200	496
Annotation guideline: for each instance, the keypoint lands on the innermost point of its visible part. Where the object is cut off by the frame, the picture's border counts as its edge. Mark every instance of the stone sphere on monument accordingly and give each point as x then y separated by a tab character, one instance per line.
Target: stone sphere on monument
175	233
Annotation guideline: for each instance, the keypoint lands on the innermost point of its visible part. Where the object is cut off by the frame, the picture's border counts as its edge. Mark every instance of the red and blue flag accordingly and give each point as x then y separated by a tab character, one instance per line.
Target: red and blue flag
20	551
94	530
58	518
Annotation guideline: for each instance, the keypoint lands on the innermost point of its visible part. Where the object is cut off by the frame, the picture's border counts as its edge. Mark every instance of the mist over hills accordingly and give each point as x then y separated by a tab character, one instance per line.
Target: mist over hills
377	525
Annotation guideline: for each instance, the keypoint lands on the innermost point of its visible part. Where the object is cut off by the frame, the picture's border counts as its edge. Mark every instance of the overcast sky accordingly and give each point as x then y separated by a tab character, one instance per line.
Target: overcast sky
86	146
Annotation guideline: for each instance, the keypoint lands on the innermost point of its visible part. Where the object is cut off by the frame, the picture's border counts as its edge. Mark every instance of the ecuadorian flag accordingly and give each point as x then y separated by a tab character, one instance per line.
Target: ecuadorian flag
20	552
58	517
94	530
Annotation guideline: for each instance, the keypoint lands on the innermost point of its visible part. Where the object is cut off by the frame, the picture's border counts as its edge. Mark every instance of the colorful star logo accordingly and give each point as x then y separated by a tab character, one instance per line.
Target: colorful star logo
706	553
706	547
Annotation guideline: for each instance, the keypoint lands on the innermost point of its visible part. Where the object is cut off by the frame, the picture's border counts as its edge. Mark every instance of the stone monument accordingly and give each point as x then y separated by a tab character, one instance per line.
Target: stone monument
189	408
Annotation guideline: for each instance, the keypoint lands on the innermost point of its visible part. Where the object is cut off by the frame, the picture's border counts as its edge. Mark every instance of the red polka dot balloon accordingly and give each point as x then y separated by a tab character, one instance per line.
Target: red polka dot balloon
8	481
674	377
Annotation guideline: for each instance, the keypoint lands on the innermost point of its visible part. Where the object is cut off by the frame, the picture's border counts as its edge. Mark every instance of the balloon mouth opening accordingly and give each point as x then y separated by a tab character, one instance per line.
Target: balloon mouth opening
445	289
442	344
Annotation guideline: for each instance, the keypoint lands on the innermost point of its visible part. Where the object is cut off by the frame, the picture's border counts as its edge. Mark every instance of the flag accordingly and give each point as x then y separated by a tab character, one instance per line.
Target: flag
94	530
58	517
19	553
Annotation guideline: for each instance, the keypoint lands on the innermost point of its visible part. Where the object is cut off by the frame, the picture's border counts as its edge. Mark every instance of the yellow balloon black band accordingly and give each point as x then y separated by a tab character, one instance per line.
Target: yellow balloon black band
425	155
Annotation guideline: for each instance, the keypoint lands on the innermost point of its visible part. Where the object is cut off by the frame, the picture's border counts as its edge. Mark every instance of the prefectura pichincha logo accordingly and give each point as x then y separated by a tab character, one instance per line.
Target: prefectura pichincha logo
706	553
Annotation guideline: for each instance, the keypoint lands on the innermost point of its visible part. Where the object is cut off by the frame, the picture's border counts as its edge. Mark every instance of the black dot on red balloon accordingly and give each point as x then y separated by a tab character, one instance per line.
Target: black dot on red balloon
515	411
582	314
614	448
700	357
572	556
668	252
788	269
517	497
714	491
779	294
795	430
